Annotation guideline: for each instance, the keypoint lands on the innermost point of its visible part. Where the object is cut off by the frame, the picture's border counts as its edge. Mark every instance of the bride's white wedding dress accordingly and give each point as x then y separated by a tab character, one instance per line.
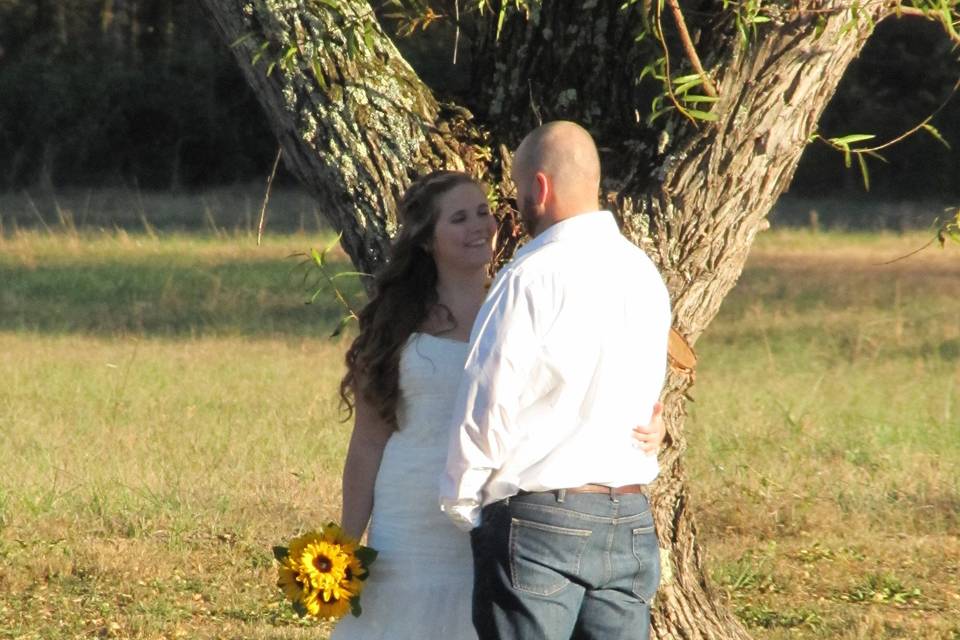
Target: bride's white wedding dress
421	584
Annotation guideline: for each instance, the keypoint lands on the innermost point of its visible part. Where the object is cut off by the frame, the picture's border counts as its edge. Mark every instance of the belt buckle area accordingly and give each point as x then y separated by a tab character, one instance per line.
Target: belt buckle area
612	492
616	492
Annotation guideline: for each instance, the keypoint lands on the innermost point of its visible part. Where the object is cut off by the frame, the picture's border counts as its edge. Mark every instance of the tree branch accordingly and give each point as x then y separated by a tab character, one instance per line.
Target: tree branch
690	49
899	10
906	134
668	83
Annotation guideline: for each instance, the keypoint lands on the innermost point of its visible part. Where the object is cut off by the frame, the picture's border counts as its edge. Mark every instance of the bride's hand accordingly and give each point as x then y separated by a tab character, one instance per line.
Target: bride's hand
649	437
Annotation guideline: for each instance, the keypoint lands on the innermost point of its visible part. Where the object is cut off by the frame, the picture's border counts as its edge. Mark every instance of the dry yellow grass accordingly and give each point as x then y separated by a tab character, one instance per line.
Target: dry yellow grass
825	440
168	412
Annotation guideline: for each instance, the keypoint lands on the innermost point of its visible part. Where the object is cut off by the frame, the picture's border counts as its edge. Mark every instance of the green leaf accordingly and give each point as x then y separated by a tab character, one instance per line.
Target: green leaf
818	30
280	553
368	37
333	243
288	56
318	257
697	98
850	24
686	86
693	77
344	274
366	555
240	40
863	170
847	162
300	608
318	73
261	50
500	18
948	19
853	137
759	19
656	114
874	154
932	130
657	102
344	321
709	116
352	46
648	70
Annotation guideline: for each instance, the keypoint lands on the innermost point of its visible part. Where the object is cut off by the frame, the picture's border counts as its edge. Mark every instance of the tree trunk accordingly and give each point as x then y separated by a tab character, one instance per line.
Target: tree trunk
713	200
355	123
693	197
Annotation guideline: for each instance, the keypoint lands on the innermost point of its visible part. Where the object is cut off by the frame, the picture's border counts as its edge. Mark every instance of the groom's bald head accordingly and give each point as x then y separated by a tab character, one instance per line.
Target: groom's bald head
562	156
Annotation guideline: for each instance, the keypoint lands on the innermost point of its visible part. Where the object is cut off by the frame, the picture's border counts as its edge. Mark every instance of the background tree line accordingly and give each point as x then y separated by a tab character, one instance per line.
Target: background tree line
134	91
99	92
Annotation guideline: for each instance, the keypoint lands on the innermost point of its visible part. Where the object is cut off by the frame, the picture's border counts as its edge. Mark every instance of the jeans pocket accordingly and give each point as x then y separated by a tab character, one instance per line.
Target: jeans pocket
646	550
542	556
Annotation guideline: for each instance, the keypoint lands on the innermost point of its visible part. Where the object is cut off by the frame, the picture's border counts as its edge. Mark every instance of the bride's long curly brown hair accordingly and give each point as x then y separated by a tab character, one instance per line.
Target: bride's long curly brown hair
405	291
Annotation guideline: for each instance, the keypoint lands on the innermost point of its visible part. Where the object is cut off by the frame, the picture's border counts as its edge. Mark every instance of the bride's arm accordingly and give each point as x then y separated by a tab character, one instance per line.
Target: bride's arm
370	435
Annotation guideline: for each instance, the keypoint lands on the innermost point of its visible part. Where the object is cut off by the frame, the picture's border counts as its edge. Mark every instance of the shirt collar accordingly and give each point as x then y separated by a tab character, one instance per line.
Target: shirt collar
580	225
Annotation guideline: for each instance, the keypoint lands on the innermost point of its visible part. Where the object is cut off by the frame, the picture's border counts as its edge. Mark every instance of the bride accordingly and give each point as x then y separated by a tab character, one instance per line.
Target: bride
403	370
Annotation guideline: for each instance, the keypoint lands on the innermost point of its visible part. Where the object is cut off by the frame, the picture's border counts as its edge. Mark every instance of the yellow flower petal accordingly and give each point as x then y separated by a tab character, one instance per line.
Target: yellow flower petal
330	609
322	572
289	581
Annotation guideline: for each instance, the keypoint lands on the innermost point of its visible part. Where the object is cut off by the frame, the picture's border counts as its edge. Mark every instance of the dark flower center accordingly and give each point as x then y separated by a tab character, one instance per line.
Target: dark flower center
322	563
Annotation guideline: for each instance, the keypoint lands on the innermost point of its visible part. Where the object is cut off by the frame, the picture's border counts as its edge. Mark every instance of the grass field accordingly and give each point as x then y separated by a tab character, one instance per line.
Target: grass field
168	412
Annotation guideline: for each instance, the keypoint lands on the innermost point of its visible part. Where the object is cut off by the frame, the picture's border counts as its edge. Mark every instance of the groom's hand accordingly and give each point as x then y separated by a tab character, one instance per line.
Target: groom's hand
649	437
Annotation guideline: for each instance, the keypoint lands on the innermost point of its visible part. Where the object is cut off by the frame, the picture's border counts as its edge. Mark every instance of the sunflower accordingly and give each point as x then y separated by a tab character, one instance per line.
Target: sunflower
334	534
325	564
330	608
289	580
299	544
354	576
322	573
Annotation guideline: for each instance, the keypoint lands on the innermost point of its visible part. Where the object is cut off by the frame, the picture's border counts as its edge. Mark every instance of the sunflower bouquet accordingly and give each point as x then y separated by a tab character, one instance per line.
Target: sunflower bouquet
322	572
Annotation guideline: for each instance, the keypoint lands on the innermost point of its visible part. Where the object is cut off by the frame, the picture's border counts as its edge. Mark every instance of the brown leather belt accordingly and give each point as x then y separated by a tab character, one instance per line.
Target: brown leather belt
599	488
611	491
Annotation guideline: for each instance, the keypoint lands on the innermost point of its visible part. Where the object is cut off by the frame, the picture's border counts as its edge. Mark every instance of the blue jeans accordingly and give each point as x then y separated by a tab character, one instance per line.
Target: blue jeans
554	566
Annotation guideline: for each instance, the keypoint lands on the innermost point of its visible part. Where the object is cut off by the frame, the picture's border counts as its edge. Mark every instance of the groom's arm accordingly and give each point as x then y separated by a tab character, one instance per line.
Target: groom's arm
504	374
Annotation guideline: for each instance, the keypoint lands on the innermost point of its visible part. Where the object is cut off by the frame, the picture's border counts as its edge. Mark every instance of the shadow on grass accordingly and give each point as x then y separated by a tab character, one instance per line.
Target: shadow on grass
159	297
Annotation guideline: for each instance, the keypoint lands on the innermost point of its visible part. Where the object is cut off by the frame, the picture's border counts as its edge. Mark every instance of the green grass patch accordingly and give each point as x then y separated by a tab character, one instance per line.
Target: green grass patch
168	413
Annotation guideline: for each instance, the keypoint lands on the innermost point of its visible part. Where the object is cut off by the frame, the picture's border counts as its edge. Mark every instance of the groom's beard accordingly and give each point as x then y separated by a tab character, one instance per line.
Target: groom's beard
528	216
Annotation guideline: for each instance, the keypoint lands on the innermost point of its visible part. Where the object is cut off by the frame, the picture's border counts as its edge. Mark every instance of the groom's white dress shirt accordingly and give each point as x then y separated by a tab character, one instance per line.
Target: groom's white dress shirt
567	355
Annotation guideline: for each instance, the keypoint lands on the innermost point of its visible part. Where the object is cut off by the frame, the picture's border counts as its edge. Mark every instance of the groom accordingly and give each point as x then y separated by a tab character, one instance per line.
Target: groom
568	351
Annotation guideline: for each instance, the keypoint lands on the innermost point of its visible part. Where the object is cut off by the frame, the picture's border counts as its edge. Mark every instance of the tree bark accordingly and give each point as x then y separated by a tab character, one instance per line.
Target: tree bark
693	197
355	122
714	198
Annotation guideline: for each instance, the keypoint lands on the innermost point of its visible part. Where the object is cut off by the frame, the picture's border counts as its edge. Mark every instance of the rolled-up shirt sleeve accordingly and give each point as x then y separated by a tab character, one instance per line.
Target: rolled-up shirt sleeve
504	372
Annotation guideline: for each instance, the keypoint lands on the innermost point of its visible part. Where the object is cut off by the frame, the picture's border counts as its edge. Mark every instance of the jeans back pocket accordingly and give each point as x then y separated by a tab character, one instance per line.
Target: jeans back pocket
646	550
543	557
